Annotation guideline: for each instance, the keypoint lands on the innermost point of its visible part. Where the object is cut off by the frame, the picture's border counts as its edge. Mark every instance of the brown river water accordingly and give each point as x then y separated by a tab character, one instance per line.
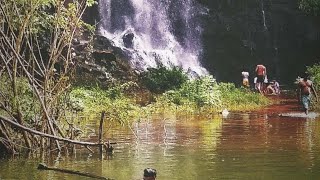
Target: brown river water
253	145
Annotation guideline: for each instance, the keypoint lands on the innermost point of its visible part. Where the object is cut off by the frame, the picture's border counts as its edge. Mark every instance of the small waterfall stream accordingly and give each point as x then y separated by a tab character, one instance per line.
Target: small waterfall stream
153	31
263	16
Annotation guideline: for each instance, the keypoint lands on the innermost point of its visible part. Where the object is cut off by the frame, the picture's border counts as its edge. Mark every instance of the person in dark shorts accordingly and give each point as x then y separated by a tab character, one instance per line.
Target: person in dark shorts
305	89
261	73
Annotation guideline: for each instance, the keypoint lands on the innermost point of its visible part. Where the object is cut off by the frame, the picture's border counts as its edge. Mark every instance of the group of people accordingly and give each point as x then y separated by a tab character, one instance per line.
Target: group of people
262	85
261	82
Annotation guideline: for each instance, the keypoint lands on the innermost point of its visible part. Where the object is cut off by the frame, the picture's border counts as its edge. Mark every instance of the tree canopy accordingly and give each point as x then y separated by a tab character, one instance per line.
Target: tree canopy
310	6
36	55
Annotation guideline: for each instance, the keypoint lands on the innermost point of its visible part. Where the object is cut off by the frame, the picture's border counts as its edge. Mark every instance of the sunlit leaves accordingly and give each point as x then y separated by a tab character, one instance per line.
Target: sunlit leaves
44	14
91	3
314	72
95	100
240	98
310	6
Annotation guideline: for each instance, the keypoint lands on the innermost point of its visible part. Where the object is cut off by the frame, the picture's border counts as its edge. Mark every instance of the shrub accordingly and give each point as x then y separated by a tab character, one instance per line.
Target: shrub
161	79
92	101
28	103
314	72
197	92
240	98
209	96
310	6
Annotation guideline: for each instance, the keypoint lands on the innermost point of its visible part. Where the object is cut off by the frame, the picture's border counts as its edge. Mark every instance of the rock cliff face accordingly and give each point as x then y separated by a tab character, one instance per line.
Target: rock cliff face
240	34
99	61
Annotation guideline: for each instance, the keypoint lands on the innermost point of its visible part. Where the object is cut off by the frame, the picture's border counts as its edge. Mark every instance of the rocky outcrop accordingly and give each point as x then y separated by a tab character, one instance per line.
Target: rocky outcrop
100	62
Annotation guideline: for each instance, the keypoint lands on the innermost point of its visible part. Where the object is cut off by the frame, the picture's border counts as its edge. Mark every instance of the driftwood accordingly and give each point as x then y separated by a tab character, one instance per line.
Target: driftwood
101	131
17	125
43	166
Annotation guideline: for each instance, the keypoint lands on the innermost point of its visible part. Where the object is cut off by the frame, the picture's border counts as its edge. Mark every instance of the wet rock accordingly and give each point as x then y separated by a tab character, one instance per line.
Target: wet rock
103	57
99	61
192	74
128	40
102	43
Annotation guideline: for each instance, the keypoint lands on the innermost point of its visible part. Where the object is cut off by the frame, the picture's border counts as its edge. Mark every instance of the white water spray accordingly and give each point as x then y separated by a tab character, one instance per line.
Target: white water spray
263	16
153	31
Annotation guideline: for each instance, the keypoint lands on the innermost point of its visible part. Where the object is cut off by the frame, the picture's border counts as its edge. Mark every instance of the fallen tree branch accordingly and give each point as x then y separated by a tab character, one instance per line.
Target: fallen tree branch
49	135
43	166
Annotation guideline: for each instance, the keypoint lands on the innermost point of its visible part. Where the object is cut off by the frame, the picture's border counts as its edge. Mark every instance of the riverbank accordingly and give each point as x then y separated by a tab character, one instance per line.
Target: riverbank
247	145
286	104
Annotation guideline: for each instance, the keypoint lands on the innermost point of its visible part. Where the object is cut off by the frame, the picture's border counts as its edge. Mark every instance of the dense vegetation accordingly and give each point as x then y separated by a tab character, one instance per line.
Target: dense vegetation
310	6
37	65
314	73
202	95
161	79
38	69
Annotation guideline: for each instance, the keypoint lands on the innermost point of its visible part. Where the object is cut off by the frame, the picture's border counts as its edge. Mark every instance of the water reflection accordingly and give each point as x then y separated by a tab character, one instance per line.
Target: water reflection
241	146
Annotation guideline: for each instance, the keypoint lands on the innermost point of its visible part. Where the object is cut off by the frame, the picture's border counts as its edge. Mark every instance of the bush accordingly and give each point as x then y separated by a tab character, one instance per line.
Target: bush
161	79
240	98
200	92
210	96
28	103
90	102
310	6
314	72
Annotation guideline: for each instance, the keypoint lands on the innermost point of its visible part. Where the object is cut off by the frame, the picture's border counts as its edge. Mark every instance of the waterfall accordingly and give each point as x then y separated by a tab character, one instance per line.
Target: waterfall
263	16
155	31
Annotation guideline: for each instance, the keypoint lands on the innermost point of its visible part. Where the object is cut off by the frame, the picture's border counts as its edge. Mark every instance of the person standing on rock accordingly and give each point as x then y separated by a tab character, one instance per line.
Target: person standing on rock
305	89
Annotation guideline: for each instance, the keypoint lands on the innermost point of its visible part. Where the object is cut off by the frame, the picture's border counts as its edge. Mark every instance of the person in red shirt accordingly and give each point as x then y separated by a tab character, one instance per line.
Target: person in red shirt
261	73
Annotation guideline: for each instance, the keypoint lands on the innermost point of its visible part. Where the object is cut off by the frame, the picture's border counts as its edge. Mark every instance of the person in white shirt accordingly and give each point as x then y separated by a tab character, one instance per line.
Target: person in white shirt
245	78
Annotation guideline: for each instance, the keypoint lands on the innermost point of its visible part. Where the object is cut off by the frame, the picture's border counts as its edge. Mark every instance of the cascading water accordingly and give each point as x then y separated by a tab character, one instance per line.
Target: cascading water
263	16
155	31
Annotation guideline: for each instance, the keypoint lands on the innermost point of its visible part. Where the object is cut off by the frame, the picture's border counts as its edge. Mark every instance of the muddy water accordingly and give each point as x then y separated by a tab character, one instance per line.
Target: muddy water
256	145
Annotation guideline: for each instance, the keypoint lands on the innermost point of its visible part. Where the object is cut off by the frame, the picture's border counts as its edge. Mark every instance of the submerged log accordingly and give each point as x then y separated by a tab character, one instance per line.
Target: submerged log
17	125
43	166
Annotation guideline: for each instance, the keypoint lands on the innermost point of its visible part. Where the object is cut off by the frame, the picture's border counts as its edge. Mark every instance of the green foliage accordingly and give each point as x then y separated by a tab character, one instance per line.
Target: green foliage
240	98
28	104
205	94
91	102
310	6
161	79
91	3
201	92
42	17
314	72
